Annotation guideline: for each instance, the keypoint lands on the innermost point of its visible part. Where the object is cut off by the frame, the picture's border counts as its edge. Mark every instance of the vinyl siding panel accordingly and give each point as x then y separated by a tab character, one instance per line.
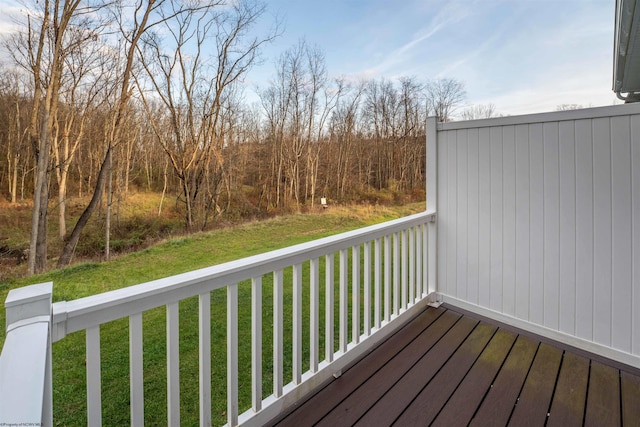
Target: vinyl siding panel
540	220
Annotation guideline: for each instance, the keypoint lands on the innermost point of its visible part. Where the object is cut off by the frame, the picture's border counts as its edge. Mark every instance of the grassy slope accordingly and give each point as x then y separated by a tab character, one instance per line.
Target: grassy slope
168	258
136	223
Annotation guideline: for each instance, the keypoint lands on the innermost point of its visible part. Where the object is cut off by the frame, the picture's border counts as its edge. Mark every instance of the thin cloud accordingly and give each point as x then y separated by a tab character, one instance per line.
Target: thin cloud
419	39
522	56
446	17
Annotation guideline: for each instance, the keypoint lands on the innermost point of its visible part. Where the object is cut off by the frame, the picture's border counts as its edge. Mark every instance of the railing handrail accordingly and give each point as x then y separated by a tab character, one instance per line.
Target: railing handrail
83	313
24	351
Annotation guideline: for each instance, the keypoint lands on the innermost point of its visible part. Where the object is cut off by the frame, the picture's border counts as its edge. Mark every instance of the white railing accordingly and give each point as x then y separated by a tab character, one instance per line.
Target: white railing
389	269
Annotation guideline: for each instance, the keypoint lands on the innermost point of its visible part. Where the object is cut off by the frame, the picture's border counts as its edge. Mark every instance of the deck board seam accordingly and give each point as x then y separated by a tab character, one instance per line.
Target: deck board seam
532	335
398	392
408	369
555	385
586	395
524	382
442	367
438	313
493	380
390	360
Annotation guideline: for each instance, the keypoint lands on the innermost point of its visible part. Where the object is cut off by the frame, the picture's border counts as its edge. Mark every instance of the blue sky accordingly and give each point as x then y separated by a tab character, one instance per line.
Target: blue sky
523	56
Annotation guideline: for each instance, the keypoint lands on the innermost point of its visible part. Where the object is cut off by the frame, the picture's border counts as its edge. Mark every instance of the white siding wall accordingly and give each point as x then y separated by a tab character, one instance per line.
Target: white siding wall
539	220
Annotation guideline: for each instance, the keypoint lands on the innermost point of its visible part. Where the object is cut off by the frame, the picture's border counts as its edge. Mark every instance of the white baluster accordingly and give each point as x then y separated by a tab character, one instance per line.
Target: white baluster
329	303
367	288
232	355
404	258
314	314
277	333
297	324
173	365
355	294
256	343
396	273
94	393
344	302
204	356
136	370
412	265
377	278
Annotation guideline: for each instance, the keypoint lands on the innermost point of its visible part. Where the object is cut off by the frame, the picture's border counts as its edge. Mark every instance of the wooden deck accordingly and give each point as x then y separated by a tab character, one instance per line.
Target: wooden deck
450	368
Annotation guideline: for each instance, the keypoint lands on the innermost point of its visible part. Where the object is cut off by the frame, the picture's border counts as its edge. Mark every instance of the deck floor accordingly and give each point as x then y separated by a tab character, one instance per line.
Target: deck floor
449	368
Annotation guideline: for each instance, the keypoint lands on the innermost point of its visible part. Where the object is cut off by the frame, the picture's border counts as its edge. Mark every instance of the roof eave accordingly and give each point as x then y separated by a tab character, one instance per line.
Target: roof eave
626	67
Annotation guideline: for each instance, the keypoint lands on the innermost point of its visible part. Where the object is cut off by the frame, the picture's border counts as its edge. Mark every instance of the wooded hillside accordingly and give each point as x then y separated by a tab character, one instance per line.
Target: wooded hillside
103	97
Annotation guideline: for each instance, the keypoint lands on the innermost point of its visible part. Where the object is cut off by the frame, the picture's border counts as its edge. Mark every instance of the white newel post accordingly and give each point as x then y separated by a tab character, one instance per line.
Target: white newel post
432	201
25	363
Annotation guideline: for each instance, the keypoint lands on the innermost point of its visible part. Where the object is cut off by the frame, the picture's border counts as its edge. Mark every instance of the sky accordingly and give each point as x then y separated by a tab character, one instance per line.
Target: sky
523	56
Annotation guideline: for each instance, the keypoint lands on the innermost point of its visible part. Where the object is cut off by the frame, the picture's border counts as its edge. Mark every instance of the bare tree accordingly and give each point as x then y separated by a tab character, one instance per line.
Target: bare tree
161	106
479	111
568	107
445	96
85	87
146	15
276	102
193	88
58	28
342	144
13	114
297	104
382	116
410	144
319	111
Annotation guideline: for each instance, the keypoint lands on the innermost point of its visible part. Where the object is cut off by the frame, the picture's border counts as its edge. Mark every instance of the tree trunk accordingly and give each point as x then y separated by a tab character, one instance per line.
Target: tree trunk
25	172
80	180
164	188
38	242
74	237
43	228
107	237
14	178
127	167
188	205
62	202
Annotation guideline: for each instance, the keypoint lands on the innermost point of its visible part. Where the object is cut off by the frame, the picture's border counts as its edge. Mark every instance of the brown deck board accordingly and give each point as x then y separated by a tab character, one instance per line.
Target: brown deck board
460	408
497	406
533	403
352	408
456	368
603	397
335	392
427	404
630	388
567	407
385	411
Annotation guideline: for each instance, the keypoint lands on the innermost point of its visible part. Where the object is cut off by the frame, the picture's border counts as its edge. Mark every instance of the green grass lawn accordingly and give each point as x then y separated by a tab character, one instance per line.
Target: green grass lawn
173	257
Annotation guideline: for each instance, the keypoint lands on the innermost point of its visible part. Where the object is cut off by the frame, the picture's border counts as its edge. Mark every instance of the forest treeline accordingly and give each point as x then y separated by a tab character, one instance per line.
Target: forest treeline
100	97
